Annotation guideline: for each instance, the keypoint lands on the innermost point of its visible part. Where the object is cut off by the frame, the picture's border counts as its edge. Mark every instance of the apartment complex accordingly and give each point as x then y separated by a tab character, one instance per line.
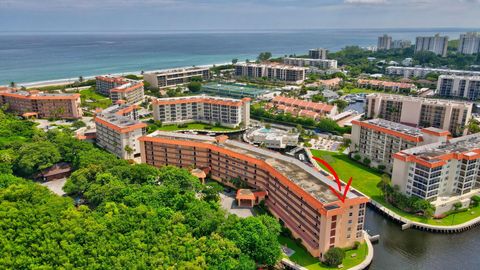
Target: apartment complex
318	53
118	130
467	87
384	42
272	71
469	43
119	88
304	108
401	44
40	104
296	193
420	112
419	72
225	111
436	44
310	62
378	139
444	173
233	90
174	77
386	86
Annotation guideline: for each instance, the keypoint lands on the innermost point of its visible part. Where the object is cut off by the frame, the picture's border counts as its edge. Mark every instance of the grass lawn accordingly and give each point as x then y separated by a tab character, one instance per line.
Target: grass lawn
366	179
198	126
303	258
99	101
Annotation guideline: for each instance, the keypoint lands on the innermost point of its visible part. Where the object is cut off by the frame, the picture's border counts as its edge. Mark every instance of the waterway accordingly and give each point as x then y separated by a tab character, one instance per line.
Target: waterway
414	249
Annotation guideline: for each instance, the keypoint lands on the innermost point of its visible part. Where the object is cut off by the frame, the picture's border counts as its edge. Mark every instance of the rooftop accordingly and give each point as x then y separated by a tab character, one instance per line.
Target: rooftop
201	98
420	99
299	173
412	131
272	64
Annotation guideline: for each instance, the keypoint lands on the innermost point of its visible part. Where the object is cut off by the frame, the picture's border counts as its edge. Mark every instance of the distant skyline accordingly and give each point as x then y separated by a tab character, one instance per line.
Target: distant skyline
170	15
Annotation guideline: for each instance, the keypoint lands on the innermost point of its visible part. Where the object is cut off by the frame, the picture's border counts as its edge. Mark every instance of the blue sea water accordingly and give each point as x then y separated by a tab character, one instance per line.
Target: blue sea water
28	57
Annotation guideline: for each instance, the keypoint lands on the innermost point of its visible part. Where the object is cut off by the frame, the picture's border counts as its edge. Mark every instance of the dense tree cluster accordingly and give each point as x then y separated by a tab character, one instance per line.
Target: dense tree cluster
134	216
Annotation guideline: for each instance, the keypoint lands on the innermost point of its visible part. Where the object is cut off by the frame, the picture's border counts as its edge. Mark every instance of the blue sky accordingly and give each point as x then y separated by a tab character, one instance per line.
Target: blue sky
128	15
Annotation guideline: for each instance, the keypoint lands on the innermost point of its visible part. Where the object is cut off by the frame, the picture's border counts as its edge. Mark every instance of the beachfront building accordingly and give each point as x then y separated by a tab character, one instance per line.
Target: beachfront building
420	112
436	44
234	90
295	193
443	173
401	44
310	62
227	112
272	138
467	87
378	139
303	108
318	53
118	130
174	77
384	42
271	71
386	86
469	43
120	88
34	103
420	72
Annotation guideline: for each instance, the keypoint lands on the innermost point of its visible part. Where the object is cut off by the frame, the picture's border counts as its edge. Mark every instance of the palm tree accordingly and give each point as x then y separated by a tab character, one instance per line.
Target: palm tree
12	84
129	150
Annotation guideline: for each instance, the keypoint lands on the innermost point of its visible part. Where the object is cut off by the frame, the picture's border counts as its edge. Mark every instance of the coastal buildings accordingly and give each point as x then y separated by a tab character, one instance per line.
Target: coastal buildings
384	42
42	105
271	71
206	109
378	139
467	87
419	72
443	173
119	88
306	62
420	112
469	43
233	90
386	86
174	77
272	138
318	53
118	130
296	193
314	110
436	44
401	44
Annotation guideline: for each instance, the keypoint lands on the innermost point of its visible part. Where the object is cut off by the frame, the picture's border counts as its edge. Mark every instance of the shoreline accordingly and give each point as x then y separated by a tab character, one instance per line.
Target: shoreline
65	81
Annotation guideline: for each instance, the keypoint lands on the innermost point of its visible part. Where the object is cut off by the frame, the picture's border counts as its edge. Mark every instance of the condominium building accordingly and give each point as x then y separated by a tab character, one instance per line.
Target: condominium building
401	44
467	87
318	53
469	43
119	88
272	138
40	104
118	130
304	108
225	111
234	90
174	77
295	193
419	72
386	86
307	62
444	173
384	42
436	44
272	71
420	112
378	139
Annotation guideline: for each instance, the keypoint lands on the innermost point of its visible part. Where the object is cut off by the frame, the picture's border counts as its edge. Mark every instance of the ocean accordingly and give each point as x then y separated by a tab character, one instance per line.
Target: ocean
29	57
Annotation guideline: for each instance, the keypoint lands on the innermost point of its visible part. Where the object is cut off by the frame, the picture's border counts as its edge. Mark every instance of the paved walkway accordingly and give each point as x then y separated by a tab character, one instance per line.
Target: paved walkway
56	186
230	204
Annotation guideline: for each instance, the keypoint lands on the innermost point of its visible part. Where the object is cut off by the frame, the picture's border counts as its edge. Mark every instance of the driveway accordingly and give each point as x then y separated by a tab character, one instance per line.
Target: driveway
56	186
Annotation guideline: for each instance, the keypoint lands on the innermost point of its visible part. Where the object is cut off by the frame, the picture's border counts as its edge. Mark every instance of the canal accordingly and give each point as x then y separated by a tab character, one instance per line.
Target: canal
414	249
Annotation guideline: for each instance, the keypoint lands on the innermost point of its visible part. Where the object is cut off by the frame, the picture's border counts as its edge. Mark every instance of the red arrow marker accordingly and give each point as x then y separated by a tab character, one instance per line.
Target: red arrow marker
338	193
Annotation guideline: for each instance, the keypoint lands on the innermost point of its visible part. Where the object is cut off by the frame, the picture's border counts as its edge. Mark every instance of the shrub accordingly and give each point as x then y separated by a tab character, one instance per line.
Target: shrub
457	205
381	167
367	161
182	125
357	157
334	256
356	245
307	144
475	200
